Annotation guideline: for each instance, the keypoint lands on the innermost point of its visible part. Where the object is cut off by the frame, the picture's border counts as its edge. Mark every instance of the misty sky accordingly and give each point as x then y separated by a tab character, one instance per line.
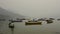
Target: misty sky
33	8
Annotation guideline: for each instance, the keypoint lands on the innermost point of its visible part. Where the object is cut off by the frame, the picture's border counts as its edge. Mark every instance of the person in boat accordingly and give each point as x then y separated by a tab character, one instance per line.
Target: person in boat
11	25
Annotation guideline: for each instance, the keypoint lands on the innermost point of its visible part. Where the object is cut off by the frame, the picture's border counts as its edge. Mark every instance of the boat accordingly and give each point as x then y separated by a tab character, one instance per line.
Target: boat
33	23
49	21
58	19
15	20
2	19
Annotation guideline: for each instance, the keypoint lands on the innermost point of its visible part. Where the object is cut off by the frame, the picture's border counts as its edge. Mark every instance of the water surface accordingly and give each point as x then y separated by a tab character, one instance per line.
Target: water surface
21	28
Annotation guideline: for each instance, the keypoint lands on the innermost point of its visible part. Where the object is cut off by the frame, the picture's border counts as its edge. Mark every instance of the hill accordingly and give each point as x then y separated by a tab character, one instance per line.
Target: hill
6	14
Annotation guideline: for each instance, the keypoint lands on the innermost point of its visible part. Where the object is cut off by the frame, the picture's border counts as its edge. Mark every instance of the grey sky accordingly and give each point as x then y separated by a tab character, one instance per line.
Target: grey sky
33	8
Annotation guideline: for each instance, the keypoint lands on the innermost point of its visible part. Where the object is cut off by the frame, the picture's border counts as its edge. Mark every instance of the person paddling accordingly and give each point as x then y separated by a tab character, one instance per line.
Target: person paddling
11	25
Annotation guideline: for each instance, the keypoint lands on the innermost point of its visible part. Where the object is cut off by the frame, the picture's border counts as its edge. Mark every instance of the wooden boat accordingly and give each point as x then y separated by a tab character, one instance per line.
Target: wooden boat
33	23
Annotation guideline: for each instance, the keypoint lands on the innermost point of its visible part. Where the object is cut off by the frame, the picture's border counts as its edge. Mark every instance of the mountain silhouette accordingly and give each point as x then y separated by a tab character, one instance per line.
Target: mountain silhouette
6	14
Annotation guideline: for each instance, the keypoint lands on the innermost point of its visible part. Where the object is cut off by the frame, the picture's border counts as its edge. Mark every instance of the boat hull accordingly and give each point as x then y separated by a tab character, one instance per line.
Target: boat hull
33	23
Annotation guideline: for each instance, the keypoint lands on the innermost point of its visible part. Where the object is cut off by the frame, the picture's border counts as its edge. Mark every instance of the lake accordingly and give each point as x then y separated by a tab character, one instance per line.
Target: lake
21	28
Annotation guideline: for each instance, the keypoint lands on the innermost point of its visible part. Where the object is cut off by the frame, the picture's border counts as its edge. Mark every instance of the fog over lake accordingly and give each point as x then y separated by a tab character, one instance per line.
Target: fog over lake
33	8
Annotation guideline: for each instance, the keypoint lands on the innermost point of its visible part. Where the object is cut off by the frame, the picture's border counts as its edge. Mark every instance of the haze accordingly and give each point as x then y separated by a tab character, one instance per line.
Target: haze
33	8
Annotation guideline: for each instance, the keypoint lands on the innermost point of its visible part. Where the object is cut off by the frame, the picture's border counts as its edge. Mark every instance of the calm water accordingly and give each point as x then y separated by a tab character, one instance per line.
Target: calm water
21	28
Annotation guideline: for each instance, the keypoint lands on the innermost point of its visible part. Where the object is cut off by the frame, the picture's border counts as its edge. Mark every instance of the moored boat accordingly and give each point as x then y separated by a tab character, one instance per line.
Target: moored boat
33	23
49	21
